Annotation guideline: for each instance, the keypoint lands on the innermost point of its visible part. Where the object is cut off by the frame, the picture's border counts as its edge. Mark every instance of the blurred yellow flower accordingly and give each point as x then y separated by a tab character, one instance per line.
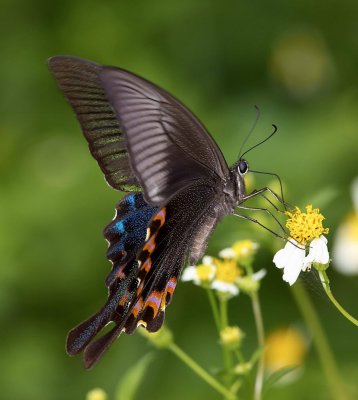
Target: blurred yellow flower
285	348
201	274
240	249
226	276
96	394
345	249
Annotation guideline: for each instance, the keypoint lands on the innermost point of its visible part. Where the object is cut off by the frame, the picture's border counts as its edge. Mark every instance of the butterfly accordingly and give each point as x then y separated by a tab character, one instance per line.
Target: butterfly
179	186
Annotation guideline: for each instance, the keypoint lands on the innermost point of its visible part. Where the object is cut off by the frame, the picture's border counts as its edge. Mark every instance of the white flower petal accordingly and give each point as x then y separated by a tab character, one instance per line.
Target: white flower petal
281	258
257	276
225	287
189	274
208	260
318	252
290	258
227	253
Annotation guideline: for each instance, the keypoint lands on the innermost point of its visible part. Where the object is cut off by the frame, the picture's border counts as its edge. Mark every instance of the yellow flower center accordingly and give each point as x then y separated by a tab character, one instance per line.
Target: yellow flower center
204	272
304	227
243	248
226	271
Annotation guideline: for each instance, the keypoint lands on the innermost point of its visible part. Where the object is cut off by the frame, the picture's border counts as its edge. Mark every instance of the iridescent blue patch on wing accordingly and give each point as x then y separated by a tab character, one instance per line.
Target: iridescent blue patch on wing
119	227
127	232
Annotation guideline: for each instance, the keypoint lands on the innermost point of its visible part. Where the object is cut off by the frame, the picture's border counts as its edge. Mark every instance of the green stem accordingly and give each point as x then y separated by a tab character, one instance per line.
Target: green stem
325	282
325	355
225	350
223	313
210	380
215	308
261	340
240	357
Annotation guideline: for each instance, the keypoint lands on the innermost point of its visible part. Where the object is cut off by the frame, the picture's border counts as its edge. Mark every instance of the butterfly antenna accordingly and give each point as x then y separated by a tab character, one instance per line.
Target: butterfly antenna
251	130
263	141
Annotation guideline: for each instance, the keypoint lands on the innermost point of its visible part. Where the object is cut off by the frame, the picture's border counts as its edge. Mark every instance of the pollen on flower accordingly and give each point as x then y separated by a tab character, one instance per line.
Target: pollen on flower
227	271
204	272
304	227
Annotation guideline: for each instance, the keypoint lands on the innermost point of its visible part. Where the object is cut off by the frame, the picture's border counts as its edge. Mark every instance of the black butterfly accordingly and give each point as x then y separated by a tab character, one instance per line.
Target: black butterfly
146	143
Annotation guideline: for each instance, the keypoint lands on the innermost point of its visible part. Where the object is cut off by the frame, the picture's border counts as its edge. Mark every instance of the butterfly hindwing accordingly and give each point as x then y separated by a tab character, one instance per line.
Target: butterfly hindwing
171	232
127	232
160	262
125	235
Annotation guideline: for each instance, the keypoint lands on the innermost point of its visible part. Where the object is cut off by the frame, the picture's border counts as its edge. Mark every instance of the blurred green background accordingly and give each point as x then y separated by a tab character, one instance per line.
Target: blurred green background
297	61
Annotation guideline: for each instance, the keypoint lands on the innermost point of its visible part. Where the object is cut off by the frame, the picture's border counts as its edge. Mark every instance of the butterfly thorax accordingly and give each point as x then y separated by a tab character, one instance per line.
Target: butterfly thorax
234	189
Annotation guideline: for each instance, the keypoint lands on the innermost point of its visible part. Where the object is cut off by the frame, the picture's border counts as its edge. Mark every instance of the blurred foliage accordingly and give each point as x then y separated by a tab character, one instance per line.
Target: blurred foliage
297	61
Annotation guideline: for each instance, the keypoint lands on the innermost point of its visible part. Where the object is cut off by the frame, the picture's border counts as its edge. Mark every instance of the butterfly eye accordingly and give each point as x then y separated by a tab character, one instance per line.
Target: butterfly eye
243	167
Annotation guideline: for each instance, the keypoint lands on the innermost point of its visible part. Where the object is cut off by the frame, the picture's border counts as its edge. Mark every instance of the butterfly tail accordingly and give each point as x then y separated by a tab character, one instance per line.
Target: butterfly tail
82	334
94	351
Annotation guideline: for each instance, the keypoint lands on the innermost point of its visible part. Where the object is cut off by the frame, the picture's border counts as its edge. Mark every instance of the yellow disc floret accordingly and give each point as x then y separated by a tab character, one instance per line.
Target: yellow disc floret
304	227
244	248
204	272
227	271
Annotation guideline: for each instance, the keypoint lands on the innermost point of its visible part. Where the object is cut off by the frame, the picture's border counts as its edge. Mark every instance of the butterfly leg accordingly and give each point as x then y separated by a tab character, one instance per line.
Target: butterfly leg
261	192
272	204
267	211
260	224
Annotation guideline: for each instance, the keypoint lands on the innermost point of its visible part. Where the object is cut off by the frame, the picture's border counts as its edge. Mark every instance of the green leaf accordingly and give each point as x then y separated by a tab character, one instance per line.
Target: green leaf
131	380
276	376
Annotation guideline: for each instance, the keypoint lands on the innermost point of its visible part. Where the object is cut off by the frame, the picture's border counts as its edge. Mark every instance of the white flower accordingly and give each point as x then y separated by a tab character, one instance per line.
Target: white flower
201	273
345	249
293	259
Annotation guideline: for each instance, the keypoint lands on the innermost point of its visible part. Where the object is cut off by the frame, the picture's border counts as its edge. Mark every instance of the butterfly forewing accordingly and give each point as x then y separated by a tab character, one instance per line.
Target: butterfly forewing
169	148
81	85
